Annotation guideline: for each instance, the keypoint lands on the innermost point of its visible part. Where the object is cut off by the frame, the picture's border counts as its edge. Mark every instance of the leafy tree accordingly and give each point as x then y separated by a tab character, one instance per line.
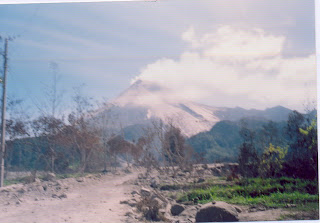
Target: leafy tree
272	159
311	137
302	159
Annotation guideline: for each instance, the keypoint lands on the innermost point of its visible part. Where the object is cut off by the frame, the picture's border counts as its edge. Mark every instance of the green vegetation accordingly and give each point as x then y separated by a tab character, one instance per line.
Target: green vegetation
256	191
13	181
272	161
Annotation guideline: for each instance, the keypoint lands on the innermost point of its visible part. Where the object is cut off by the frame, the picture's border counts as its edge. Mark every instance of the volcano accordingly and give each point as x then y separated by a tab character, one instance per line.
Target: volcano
146	101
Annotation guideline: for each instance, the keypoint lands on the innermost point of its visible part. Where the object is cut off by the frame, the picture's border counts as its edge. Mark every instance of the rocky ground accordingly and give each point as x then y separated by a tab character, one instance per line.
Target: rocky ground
124	196
153	196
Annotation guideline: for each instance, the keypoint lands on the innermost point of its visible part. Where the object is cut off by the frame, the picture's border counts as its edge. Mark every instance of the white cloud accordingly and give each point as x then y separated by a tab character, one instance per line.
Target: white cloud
58	1
244	64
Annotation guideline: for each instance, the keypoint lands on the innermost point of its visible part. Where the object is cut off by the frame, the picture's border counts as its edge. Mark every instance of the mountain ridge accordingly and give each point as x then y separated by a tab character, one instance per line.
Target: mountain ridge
145	101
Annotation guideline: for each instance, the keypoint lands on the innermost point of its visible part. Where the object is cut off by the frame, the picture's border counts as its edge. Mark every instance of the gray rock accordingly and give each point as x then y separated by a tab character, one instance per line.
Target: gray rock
63	196
141	176
238	209
154	183
80	179
216	172
145	192
54	196
134	192
218	212
159	202
176	209
49	177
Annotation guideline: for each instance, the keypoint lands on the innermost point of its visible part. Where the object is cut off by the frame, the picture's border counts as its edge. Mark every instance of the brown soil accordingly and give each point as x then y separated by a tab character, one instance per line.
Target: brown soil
95	199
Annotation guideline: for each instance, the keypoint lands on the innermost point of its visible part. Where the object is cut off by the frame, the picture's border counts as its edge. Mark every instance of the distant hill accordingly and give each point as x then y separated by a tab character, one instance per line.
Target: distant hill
277	114
221	143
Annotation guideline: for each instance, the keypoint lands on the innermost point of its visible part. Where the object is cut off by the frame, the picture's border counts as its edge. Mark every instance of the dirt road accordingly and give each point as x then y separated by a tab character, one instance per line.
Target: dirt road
90	201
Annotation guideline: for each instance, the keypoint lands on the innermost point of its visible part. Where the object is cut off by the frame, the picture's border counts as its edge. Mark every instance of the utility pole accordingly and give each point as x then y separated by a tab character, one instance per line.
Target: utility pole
3	117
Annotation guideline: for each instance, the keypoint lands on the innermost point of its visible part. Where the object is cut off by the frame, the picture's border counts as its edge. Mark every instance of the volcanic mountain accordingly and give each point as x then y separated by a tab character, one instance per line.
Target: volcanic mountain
145	101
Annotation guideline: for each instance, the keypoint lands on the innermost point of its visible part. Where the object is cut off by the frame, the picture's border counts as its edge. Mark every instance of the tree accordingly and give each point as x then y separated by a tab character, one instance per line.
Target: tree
248	158
48	126
16	128
80	134
302	158
311	138
47	130
121	147
272	160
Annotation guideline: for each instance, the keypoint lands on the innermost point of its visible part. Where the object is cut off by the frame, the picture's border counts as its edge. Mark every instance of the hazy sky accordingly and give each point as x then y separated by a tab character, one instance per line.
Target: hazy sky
247	53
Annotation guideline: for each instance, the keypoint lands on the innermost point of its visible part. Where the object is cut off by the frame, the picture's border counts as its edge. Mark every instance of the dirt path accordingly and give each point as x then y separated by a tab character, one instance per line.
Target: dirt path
93	201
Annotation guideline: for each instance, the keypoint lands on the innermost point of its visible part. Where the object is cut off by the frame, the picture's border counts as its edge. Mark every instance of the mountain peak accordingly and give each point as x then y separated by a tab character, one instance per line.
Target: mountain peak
142	92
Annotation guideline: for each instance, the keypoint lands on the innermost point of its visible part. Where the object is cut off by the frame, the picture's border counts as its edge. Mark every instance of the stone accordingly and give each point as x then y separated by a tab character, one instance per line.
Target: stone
21	190
201	180
238	209
216	172
145	192
177	209
154	183
49	177
80	180
63	196
54	196
134	192
218	212
129	213
141	176
159	202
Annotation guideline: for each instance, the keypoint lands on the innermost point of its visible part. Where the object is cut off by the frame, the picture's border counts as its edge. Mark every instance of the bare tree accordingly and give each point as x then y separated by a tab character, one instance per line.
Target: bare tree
80	134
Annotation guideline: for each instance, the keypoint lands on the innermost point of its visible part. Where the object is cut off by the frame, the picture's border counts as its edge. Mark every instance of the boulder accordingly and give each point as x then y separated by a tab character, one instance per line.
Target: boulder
218	212
177	209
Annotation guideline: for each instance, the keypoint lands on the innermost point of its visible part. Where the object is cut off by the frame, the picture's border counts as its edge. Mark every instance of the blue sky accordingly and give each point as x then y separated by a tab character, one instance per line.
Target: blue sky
109	45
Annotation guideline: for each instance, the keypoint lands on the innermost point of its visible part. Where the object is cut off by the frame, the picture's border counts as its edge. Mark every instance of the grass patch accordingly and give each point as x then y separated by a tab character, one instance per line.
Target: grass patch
267	192
203	185
13	181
